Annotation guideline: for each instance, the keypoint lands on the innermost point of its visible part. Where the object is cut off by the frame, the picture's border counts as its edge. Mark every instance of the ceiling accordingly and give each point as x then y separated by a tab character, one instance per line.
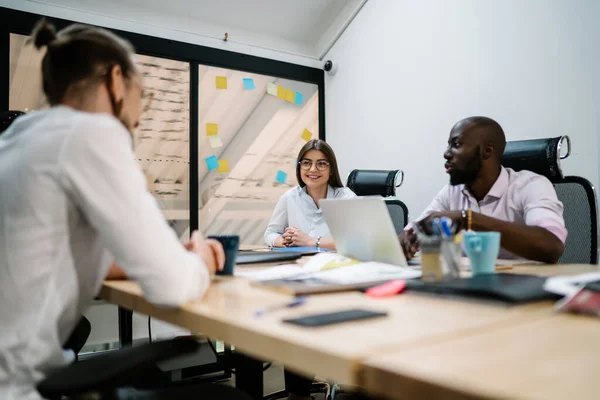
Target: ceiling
306	28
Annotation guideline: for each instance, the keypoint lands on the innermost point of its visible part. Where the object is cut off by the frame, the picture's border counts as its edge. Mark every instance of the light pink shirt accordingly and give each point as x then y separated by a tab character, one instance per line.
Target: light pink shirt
522	197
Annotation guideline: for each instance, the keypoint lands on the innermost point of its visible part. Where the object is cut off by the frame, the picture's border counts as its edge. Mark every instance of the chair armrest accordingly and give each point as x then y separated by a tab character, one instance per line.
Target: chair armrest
110	371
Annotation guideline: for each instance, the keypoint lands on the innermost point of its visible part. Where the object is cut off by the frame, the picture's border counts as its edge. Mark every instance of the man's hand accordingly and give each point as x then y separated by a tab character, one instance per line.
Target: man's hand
210	250
409	242
455	216
116	272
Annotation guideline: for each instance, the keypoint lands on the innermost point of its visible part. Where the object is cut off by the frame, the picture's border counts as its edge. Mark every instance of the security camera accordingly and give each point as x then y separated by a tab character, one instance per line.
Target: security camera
330	67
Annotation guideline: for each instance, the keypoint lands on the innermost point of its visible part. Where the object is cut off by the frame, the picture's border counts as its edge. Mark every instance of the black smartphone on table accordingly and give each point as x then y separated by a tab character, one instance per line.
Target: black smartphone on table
335	317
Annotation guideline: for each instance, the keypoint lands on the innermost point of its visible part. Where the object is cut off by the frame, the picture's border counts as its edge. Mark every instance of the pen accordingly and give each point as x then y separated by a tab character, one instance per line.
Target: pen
446	224
294	303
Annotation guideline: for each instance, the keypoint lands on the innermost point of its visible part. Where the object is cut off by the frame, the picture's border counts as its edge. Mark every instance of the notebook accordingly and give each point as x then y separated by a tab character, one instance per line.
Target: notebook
258	257
507	288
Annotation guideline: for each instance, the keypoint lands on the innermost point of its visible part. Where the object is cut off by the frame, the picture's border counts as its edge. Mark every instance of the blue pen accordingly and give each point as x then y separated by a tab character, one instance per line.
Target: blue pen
295	303
446	224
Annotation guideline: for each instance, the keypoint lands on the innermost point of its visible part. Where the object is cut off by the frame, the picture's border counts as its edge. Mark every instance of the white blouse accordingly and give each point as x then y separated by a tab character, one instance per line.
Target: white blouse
297	208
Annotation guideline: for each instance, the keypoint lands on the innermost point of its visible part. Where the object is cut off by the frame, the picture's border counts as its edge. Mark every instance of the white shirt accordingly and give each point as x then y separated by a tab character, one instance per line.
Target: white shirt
522	197
72	200
297	208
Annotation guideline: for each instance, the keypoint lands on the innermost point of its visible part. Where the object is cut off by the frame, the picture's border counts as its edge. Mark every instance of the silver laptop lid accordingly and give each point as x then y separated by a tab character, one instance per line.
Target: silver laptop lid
362	228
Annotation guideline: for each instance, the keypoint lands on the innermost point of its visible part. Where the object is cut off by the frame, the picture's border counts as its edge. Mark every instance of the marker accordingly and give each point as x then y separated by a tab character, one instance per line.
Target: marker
298	301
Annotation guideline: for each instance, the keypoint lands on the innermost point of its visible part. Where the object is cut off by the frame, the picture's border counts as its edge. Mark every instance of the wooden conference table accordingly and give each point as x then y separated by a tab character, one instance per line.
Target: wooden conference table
427	347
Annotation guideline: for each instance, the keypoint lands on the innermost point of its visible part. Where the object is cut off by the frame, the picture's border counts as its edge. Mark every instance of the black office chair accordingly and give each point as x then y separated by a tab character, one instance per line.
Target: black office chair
106	373
381	183
113	374
577	194
7	118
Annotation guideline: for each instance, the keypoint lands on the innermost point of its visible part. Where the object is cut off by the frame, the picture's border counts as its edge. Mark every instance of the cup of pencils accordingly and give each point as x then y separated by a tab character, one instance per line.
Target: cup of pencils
440	249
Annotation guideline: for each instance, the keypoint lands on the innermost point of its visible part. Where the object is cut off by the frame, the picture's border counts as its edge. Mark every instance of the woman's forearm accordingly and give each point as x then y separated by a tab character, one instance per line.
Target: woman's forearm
327	243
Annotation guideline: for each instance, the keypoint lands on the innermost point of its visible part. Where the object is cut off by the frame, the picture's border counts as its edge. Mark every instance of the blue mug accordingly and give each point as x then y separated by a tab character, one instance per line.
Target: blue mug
231	244
482	248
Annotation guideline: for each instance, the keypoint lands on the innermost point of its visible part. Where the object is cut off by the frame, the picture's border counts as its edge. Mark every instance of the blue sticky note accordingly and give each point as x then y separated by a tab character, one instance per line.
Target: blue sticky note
281	177
298	98
212	162
249	84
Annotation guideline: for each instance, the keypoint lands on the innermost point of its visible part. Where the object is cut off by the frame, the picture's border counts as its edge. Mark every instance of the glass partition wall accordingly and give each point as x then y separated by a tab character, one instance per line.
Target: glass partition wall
251	128
161	141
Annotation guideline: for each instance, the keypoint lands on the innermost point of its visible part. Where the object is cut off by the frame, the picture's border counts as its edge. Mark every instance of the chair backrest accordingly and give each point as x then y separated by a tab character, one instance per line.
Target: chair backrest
541	156
368	182
365	182
399	213
581	219
578	195
7	118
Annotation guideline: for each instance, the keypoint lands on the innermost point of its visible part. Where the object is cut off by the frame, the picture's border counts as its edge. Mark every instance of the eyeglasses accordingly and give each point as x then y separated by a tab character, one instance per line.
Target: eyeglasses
322	165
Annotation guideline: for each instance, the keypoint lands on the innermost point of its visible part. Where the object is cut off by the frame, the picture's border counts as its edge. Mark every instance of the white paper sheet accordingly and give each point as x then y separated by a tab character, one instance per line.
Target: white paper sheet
366	272
278	272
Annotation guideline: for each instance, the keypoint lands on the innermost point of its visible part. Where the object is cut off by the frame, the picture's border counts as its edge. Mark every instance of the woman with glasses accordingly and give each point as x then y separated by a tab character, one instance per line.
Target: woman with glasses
297	219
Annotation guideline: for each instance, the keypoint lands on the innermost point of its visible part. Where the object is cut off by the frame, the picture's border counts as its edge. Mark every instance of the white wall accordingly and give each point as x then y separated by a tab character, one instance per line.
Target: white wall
408	70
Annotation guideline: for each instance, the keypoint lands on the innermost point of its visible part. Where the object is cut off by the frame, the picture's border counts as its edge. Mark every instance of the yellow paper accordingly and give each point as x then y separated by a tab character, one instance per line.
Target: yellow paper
338	263
223	166
290	95
306	135
221	82
212	129
281	92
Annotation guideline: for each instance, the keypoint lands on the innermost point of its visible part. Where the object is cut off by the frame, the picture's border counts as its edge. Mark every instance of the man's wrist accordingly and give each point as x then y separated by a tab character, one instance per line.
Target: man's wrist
466	219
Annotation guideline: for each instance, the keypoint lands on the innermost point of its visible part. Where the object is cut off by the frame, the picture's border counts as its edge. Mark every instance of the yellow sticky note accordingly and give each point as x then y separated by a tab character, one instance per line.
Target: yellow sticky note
290	95
306	135
212	129
281	92
223	166
221	82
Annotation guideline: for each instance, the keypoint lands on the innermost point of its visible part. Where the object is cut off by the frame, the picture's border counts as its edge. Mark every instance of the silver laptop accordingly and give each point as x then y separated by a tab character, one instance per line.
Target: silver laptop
362	229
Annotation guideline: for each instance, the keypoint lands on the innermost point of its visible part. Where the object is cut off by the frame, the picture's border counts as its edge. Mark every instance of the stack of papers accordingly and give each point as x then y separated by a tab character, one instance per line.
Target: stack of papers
267	274
363	273
327	272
